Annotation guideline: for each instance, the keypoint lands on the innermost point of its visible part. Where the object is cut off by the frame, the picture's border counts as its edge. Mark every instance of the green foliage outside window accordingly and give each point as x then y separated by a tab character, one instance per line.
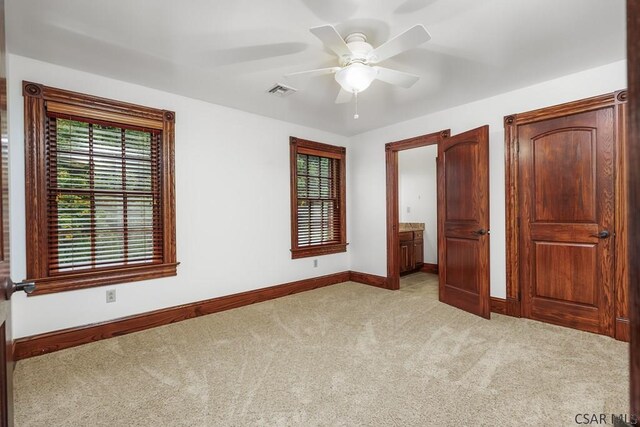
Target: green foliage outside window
317	199
101	181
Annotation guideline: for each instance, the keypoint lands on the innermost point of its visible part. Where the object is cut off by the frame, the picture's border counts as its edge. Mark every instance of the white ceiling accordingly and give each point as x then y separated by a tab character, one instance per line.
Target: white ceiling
230	52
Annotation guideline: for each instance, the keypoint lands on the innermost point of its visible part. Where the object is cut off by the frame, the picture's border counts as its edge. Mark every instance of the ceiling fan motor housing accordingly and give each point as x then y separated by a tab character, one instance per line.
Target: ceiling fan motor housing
360	49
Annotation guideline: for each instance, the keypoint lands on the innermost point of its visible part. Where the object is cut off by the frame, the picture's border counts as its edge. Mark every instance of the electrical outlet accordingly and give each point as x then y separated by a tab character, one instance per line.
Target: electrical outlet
408	209
111	295
315	263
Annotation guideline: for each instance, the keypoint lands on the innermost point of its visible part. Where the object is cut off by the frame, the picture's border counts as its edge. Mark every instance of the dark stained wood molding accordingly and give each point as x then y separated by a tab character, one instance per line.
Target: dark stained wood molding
318	146
66	338
633	179
616	100
504	306
622	330
325	150
38	100
621	282
318	250
513	307
429	268
418	141
498	305
565	109
35	180
112	276
169	187
511	202
76	101
368	279
393	217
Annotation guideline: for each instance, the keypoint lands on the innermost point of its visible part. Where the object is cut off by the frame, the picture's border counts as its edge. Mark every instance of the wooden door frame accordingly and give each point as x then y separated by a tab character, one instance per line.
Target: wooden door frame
633	180
617	100
393	216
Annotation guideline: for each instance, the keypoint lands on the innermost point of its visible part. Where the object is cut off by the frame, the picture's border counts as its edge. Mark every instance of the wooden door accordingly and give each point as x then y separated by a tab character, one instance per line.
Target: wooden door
6	357
463	221
567	220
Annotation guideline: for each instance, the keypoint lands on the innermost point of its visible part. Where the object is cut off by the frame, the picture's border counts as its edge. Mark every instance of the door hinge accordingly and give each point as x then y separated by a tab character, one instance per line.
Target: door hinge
517	146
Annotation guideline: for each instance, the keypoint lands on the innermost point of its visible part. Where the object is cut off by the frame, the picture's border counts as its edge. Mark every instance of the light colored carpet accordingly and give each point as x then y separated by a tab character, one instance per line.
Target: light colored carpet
348	354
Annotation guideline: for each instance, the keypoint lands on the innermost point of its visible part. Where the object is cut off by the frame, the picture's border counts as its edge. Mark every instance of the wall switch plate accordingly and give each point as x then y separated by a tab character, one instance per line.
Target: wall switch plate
315	263
111	295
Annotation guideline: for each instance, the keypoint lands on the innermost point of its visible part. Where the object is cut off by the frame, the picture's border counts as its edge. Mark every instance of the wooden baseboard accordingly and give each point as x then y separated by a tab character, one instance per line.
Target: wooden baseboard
429	268
369	279
498	305
57	340
513	308
508	307
623	332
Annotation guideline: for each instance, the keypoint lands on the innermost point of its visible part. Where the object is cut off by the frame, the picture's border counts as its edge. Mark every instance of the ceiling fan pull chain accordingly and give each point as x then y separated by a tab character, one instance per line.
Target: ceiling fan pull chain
355	116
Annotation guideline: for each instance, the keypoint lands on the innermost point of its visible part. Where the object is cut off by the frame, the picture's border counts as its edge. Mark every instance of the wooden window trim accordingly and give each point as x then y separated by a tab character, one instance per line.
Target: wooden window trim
38	101
302	146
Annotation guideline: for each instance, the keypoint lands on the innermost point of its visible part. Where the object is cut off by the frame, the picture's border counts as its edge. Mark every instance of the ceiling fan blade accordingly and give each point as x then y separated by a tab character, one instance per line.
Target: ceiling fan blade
411	38
333	10
238	55
398	78
314	73
343	96
331	39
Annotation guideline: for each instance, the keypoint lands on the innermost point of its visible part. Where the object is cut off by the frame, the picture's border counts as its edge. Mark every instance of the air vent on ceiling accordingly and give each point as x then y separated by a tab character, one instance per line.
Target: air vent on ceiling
282	90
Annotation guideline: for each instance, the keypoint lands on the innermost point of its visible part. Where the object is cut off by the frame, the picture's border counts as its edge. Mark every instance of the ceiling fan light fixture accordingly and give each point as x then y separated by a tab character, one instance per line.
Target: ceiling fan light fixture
356	77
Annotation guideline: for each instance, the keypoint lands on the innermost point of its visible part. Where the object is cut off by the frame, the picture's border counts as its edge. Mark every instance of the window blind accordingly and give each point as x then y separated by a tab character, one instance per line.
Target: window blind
103	191
318	204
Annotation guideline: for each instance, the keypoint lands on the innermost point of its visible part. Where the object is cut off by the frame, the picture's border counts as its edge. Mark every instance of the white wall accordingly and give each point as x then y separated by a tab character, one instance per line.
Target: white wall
367	165
232	201
418	194
228	243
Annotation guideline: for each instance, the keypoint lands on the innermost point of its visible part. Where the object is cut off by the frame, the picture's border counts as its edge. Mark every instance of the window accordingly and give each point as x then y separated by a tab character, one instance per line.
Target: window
318	214
99	190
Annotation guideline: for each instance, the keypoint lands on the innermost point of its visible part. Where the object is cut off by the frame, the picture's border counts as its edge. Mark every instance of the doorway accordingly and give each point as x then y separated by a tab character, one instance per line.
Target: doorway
566	215
394	263
462	217
418	209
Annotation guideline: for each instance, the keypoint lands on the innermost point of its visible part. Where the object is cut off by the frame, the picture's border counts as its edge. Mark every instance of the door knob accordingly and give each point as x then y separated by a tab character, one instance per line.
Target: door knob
481	232
602	235
26	286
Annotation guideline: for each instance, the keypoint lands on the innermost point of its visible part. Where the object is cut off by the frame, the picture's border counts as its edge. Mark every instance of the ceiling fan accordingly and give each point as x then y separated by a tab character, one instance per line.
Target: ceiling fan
358	60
